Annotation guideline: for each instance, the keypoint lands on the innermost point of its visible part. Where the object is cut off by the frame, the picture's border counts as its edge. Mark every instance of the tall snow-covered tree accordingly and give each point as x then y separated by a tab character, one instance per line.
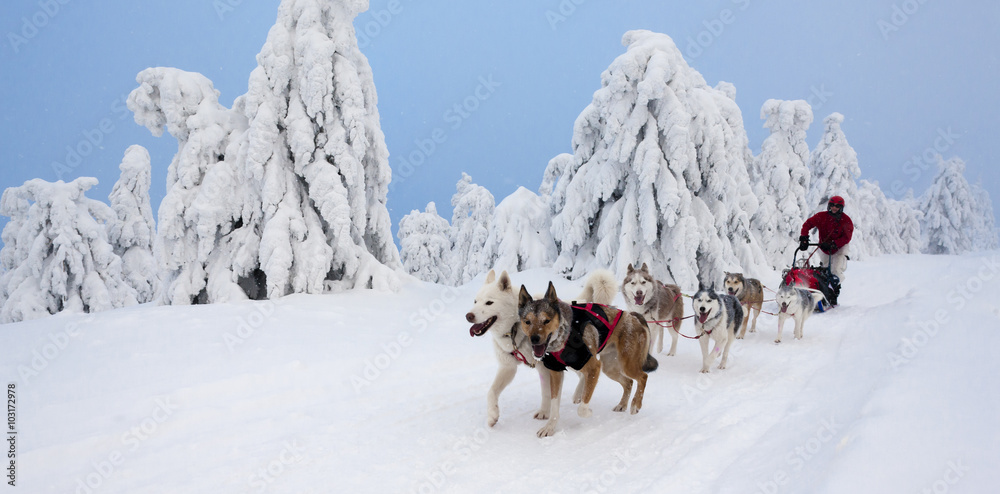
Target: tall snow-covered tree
834	166
780	177
520	237
204	201
316	155
56	255
952	218
425	245
658	173
294	178
882	225
983	210
471	222
132	232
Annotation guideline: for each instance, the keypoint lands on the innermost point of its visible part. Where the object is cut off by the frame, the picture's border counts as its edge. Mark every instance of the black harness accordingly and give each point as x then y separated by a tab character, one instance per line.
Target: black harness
575	353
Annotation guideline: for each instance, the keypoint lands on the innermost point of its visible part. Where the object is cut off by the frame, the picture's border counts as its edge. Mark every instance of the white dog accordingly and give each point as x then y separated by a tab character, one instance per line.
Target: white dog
495	311
716	317
797	303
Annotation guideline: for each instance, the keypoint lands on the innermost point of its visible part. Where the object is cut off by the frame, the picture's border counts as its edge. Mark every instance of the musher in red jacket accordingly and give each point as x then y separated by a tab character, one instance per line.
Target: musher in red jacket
835	231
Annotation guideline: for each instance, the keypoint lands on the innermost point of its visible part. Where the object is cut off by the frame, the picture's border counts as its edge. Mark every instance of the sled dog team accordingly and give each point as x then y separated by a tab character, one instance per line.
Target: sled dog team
590	336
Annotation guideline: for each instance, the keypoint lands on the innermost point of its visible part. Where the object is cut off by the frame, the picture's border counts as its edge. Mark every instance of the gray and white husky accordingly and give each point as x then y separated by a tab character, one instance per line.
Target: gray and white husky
797	303
656	302
716	317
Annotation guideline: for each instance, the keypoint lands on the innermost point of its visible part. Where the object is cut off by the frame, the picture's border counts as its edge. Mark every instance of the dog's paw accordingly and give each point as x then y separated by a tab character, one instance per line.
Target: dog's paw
547	431
739	337
577	400
776	342
704	370
634	410
620	408
542	415
722	366
490	422
584	410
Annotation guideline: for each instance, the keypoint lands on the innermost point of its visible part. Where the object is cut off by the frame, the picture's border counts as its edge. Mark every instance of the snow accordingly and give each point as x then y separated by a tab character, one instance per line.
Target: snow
376	391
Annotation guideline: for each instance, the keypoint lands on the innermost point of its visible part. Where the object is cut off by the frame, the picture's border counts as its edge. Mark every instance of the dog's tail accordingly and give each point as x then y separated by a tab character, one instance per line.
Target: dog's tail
600	288
650	364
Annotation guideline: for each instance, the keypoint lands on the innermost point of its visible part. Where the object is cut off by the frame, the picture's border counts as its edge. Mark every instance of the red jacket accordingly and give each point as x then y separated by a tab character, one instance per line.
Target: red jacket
837	229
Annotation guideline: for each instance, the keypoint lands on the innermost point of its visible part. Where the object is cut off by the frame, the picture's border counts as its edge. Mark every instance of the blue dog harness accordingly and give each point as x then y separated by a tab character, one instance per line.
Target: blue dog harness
575	353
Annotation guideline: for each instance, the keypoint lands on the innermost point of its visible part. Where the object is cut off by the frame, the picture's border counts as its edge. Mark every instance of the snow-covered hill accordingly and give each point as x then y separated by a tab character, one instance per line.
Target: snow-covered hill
386	392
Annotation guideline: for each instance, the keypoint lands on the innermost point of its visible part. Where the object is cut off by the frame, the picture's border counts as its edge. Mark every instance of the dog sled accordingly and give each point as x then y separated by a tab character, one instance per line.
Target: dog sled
804	275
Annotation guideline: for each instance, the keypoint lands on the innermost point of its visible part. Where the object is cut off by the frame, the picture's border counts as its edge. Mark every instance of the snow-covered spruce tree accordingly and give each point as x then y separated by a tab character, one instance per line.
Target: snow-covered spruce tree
204	201
292	182
132	232
471	221
881	225
520	237
316	155
950	222
834	166
425	245
780	177
908	218
986	225
56	254
658	173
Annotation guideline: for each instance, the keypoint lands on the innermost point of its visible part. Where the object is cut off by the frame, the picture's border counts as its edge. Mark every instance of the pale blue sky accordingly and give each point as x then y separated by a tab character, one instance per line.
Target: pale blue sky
520	72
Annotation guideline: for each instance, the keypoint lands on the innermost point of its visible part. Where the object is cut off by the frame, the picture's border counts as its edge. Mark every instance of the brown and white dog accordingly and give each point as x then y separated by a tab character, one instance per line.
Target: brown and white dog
656	302
750	293
494	311
563	336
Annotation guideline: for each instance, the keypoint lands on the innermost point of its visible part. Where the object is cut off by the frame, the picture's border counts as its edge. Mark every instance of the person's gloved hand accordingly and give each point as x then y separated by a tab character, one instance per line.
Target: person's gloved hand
804	242
828	246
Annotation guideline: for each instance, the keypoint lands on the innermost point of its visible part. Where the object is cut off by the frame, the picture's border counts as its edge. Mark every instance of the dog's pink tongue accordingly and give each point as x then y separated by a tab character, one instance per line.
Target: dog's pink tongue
638	299
477	329
702	317
538	350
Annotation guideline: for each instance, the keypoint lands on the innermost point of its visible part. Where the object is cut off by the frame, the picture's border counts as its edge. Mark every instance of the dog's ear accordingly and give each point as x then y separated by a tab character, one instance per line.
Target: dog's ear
644	268
492	275
523	298
630	268
550	294
504	282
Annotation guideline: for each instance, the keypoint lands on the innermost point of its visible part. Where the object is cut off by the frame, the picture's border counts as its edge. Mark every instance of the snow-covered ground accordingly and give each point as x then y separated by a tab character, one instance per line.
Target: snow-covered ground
386	392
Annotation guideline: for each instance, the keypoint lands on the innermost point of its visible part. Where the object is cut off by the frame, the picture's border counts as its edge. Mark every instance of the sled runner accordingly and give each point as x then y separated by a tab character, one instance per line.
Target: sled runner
802	274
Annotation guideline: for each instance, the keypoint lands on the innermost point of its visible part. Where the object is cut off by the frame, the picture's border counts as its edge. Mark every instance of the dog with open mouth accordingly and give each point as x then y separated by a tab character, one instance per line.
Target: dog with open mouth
716	317
495	311
797	303
750	293
573	336
656	301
